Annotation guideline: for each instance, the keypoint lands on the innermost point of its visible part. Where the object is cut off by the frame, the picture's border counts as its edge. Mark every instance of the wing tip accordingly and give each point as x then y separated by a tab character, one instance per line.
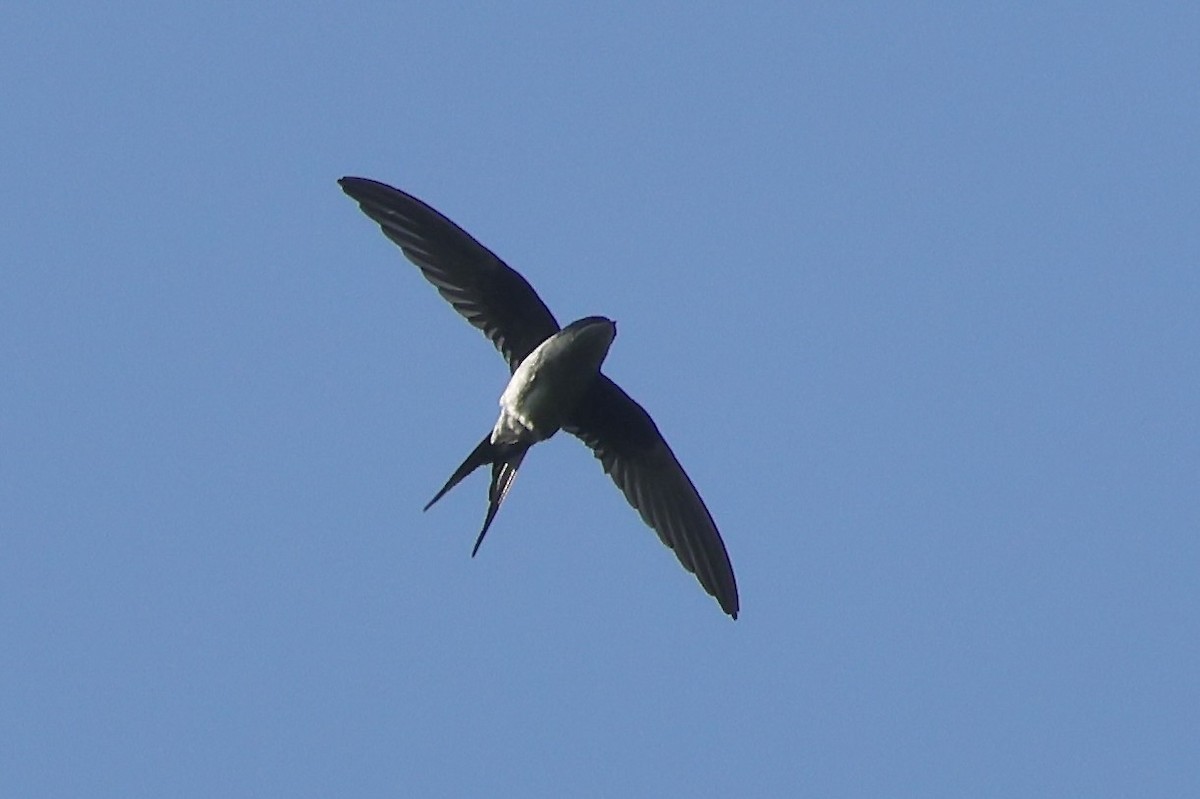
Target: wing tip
729	604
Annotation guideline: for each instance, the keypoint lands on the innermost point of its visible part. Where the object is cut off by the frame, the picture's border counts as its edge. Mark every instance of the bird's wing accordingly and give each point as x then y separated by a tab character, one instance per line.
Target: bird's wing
634	453
487	292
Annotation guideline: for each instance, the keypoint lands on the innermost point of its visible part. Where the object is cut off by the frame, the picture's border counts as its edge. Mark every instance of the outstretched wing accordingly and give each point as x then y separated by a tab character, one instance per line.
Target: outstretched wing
634	453
487	292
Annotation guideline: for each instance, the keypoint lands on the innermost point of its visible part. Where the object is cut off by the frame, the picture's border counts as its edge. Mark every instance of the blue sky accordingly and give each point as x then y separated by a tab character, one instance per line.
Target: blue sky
912	292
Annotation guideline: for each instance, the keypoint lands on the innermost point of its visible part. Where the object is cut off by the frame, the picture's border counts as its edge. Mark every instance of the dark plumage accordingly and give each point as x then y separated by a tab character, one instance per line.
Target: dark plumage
556	383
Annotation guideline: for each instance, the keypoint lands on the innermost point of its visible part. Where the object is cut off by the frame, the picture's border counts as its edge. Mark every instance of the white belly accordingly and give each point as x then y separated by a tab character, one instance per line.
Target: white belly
547	384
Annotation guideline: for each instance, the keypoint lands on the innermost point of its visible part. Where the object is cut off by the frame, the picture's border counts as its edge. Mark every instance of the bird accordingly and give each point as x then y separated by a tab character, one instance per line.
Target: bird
556	383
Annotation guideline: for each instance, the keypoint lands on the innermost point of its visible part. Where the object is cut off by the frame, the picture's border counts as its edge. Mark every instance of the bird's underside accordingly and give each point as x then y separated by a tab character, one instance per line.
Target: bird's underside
556	383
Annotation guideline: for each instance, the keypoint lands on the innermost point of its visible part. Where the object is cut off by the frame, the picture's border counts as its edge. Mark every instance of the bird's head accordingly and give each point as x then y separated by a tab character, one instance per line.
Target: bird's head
592	335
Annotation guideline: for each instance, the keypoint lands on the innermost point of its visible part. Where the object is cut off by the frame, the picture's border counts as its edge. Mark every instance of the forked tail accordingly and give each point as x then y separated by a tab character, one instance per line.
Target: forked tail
478	457
505	460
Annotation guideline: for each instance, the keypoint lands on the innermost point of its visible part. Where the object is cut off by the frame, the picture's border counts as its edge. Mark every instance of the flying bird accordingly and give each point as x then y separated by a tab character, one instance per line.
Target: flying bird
556	384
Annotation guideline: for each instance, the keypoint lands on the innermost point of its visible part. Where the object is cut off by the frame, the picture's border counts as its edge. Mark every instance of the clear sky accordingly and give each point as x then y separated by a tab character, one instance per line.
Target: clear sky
913	293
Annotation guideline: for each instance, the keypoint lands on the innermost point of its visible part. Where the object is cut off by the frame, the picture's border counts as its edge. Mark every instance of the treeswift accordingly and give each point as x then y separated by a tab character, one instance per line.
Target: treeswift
556	384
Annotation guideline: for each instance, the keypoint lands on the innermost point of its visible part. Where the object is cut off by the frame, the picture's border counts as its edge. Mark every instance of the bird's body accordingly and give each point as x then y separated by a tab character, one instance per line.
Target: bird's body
552	378
556	383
